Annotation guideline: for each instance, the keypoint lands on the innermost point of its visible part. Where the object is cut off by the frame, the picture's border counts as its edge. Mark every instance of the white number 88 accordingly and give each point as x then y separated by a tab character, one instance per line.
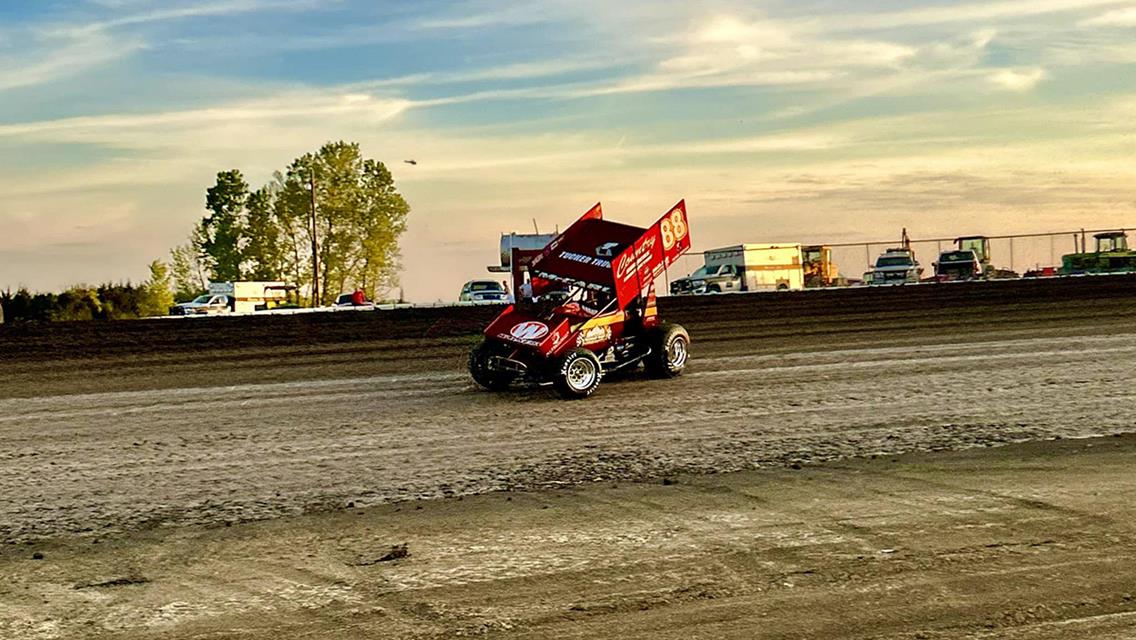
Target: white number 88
673	229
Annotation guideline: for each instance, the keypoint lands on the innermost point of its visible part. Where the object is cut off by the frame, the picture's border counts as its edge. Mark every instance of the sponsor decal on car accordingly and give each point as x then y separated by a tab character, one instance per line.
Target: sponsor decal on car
631	263
529	331
583	259
594	335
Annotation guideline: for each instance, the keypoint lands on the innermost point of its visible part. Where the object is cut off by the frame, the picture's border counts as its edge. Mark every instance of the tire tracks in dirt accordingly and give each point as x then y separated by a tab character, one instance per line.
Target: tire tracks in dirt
119	460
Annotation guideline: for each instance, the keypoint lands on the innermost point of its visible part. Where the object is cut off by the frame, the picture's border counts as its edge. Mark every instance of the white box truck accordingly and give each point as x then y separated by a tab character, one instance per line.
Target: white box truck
745	267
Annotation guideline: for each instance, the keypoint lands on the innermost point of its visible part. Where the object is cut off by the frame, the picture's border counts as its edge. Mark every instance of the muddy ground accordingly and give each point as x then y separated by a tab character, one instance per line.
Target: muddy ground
184	478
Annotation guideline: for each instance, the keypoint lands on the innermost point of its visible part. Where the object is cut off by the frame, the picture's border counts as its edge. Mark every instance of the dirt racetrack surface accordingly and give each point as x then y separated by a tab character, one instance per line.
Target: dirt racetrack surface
137	424
156	433
1025	542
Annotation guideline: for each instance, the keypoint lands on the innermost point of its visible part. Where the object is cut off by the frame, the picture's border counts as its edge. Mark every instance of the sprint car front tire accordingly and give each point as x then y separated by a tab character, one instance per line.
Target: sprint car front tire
577	374
669	350
481	373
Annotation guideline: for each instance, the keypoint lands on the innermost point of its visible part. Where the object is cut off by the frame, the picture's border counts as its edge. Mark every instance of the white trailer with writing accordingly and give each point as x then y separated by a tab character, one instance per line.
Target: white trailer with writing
252	296
762	267
745	267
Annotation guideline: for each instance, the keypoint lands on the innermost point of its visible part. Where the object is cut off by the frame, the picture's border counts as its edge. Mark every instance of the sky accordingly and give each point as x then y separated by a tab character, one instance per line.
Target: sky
803	121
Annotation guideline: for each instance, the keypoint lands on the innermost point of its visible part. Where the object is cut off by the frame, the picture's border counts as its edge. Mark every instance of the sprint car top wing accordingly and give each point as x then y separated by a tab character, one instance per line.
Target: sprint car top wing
635	269
611	256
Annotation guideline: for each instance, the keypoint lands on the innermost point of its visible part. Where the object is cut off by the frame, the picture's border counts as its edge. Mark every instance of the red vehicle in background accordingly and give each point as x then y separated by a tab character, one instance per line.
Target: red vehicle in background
587	308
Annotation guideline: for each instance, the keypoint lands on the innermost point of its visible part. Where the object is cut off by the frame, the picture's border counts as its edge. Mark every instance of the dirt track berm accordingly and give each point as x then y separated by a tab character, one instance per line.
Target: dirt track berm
586	308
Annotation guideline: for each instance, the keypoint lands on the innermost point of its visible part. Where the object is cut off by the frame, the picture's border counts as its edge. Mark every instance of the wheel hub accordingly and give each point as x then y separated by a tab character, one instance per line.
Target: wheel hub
581	374
676	354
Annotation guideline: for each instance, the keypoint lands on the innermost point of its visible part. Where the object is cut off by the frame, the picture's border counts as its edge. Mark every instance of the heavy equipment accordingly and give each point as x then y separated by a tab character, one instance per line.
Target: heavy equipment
980	245
1112	255
820	271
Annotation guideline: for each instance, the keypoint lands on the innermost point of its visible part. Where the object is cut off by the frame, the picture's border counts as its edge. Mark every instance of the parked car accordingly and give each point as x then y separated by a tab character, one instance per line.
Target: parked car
957	264
895	266
347	301
207	304
483	291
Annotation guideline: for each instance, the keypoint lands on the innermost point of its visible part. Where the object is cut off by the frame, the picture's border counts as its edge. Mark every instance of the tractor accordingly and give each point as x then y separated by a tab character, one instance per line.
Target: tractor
985	268
1112	255
820	271
587	308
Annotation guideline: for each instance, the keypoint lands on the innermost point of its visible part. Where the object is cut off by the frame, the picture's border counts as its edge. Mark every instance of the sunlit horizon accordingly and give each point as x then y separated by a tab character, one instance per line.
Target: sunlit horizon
804	122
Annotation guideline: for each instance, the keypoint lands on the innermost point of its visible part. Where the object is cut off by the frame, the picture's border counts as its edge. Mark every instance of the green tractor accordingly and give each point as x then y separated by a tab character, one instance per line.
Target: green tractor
1112	256
980	245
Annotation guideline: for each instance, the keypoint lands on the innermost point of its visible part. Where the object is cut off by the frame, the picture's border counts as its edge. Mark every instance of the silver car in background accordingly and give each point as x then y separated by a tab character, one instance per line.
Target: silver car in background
484	291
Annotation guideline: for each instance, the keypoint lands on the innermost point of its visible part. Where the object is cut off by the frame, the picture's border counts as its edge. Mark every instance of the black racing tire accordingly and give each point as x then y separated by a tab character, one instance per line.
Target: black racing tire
670	348
713	289
479	368
577	374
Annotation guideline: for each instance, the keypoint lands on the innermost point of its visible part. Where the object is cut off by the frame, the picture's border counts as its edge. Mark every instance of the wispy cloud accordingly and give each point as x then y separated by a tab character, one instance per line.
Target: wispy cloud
980	12
516	71
53	59
1016	79
158	130
194	10
55	51
512	14
1118	18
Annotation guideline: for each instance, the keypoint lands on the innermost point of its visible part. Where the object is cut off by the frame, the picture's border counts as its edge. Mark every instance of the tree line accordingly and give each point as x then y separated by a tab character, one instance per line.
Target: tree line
103	302
329	222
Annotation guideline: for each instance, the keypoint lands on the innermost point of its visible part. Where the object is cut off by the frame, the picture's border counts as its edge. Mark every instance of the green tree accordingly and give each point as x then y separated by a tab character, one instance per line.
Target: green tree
290	209
359	217
188	268
224	226
77	303
265	252
381	220
268	234
157	292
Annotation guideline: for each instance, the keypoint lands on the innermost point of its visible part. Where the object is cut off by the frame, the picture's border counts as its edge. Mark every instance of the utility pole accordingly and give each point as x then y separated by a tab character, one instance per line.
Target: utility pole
315	243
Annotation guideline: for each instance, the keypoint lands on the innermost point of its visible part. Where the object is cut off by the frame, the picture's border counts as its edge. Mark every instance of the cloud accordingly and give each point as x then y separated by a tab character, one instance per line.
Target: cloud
516	71
193	10
981	12
512	15
570	126
53	52
1016	79
53	59
114	130
1117	18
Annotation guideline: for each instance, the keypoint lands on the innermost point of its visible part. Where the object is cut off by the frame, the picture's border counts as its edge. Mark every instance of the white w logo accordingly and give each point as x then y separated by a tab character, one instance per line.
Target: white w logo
531	330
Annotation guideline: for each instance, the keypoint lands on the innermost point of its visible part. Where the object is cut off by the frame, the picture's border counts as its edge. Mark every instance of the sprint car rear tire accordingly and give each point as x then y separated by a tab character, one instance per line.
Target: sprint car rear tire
577	374
479	368
669	350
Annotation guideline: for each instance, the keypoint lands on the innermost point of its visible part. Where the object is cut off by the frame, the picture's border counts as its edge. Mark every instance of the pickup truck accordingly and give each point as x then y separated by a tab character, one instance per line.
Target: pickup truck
895	266
709	279
207	304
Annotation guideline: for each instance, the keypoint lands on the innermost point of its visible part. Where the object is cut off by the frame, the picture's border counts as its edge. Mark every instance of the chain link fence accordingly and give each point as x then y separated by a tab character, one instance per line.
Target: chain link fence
1019	253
